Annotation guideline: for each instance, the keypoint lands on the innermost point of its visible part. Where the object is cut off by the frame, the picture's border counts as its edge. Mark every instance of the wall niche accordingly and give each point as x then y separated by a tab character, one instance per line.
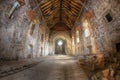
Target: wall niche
108	17
118	47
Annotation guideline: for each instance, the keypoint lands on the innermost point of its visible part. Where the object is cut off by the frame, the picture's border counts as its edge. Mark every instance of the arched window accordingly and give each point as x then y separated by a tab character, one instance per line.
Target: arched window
60	42
86	28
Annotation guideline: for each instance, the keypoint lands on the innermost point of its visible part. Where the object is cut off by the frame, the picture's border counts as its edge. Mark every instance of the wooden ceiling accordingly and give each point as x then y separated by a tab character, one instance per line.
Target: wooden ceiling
61	11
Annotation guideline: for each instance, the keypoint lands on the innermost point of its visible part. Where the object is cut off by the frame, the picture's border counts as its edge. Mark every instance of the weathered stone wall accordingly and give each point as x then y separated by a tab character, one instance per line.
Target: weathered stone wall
15	38
12	30
103	35
99	37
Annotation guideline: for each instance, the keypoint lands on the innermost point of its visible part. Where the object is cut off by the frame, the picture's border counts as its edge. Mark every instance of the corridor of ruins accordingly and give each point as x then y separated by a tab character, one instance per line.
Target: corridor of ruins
59	39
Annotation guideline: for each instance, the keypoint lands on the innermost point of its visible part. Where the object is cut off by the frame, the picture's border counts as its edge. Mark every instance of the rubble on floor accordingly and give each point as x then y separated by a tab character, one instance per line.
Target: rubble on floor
101	67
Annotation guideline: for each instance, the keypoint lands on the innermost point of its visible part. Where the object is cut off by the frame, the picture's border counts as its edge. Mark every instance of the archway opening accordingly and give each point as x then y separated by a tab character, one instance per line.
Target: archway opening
60	47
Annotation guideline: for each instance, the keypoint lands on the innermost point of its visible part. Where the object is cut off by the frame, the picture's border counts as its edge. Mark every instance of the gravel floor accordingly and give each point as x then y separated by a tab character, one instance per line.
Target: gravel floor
52	68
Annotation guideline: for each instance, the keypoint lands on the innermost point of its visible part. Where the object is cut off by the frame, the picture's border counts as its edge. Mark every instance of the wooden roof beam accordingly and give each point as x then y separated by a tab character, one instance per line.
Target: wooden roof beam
48	8
69	10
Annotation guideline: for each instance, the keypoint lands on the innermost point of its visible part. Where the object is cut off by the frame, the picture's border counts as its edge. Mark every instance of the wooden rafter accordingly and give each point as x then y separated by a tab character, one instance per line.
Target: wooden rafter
56	11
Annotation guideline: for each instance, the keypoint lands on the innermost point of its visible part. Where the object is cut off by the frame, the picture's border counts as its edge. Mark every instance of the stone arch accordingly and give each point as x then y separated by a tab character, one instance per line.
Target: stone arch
65	37
60	46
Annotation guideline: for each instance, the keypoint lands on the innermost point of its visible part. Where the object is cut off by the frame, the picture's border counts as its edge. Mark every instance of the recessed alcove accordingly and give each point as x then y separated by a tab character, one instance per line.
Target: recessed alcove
118	47
108	17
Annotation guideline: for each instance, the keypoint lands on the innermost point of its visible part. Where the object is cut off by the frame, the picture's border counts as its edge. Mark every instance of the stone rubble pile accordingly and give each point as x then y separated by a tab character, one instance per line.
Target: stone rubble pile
99	67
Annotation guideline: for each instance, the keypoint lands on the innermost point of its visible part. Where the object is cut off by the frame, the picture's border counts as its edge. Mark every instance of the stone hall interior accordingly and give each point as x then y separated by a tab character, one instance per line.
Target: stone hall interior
59	39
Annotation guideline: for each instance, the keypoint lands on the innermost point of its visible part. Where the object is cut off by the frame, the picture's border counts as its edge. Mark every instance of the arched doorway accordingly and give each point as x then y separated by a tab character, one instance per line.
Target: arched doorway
60	47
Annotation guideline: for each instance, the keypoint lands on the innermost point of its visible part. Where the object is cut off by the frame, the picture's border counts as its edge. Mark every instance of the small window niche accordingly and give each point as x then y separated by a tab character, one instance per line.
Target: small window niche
13	8
32	29
118	47
108	17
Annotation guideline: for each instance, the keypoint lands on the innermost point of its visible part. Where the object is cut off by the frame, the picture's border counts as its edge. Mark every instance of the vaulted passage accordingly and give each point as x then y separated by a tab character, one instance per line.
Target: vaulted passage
59	39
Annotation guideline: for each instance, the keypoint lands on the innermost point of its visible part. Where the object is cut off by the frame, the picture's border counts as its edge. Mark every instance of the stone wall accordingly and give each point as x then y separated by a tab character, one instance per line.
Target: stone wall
100	32
16	41
102	35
